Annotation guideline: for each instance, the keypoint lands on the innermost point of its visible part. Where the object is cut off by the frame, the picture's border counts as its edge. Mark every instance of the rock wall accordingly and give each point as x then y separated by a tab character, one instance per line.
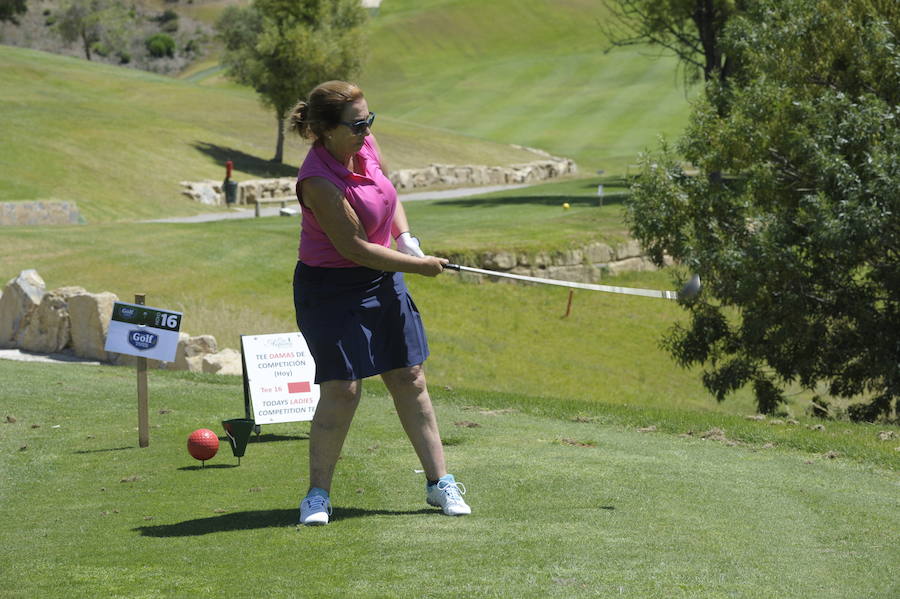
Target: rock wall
45	212
70	320
249	192
586	265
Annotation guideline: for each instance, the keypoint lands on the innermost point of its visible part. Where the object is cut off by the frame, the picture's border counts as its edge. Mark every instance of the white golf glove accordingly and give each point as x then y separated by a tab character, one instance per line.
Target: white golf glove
408	244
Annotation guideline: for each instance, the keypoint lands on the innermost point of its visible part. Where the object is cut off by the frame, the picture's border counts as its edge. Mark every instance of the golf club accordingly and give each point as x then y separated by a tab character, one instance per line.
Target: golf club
691	288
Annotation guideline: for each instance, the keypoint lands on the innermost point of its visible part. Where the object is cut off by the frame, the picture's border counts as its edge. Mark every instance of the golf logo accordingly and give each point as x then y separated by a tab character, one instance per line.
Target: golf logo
142	340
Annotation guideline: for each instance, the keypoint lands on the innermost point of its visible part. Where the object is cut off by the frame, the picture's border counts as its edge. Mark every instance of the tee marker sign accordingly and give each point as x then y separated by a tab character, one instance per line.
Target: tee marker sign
138	330
279	373
143	331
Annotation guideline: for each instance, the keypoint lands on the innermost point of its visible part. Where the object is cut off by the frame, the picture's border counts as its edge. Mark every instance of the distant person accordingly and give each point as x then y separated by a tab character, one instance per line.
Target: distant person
352	304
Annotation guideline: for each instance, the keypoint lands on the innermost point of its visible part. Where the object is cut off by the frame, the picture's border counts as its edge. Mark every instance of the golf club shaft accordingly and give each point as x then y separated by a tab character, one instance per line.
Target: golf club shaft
672	295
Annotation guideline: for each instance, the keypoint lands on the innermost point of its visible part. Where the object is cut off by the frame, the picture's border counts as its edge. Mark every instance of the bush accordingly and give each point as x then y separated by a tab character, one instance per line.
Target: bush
160	45
168	21
100	49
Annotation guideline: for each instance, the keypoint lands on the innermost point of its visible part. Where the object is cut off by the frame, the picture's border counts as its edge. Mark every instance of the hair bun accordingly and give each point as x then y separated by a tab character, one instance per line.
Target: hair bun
299	119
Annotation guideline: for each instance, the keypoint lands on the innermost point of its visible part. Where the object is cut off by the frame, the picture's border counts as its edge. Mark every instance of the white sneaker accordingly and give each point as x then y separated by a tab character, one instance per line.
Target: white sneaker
314	510
447	495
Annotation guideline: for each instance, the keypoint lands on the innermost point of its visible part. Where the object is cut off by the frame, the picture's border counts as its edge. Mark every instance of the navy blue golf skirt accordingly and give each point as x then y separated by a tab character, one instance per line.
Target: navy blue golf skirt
357	322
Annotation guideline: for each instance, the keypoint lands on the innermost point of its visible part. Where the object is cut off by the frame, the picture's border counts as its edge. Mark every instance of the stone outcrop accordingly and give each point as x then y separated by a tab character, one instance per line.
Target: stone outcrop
585	265
73	321
89	315
20	297
190	351
47	328
452	175
206	192
256	190
42	212
227	361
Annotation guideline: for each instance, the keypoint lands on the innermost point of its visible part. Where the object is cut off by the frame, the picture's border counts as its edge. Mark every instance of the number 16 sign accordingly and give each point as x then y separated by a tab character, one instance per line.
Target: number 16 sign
143	331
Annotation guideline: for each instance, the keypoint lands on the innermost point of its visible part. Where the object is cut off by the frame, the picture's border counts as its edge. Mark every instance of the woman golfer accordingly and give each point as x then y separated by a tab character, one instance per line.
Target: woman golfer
352	304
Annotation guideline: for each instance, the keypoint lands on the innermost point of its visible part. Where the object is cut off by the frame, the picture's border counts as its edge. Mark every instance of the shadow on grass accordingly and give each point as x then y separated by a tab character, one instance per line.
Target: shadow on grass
244	162
104	450
208	467
272	438
551	200
256	519
268	438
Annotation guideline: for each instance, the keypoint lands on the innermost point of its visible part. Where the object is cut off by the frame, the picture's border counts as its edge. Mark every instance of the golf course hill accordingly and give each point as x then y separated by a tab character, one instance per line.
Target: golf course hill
119	141
452	82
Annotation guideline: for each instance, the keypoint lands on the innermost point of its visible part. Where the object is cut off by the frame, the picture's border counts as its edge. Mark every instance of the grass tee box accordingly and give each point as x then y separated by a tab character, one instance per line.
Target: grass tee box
562	506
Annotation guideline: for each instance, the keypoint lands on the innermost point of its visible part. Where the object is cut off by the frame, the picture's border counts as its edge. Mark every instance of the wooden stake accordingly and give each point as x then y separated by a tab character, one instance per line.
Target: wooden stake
143	399
569	305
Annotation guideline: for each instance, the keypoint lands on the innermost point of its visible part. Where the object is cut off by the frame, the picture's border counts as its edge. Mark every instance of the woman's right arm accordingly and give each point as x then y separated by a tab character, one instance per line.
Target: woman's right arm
343	227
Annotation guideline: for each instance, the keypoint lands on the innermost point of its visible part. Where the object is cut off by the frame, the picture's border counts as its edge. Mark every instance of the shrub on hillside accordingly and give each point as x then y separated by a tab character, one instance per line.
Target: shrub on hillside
168	21
160	45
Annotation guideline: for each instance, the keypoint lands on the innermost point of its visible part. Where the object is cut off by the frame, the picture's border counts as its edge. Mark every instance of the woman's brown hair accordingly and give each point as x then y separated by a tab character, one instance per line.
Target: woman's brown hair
323	109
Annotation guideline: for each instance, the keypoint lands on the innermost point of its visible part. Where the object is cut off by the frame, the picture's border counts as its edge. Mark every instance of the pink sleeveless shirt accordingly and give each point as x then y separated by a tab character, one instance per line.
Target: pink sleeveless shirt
371	195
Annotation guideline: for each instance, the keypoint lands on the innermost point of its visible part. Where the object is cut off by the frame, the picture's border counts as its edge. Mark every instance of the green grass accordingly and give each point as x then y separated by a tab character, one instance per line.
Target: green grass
452	82
119	141
234	274
528	72
570	498
240	283
234	277
531	219
561	508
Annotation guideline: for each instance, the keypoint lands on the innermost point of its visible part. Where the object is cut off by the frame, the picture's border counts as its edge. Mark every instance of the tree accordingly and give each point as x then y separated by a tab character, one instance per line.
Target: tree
691	29
284	48
95	22
11	9
798	241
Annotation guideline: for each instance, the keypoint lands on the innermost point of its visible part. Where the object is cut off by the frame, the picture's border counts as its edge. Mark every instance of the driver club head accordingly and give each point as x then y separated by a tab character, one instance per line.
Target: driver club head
691	288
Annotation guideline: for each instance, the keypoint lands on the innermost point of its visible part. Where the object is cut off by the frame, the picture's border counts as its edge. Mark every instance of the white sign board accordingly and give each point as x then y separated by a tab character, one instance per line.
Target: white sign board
280	375
143	331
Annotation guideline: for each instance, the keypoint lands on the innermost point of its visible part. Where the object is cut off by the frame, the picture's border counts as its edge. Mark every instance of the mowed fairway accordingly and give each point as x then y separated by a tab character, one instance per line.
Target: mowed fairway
527	72
562	508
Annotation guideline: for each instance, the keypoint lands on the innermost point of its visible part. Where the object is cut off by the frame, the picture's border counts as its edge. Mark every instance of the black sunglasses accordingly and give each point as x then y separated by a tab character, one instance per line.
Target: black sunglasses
359	127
